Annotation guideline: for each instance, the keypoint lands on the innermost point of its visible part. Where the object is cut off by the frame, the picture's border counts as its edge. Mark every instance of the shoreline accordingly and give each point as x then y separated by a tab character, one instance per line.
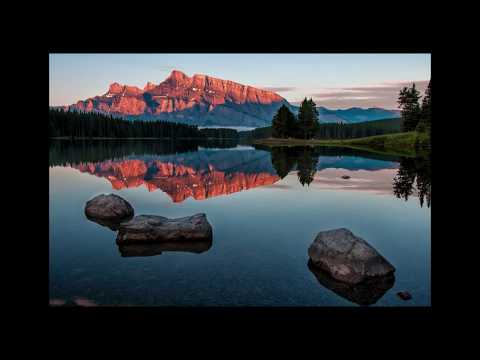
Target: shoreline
403	144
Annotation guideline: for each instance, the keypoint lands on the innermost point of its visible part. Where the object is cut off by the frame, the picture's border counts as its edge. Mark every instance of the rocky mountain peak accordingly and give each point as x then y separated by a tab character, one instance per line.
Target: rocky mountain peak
177	77
115	88
149	86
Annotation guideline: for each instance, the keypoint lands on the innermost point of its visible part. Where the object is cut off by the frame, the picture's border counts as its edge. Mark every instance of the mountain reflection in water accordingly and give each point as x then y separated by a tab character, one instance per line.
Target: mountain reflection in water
201	171
200	175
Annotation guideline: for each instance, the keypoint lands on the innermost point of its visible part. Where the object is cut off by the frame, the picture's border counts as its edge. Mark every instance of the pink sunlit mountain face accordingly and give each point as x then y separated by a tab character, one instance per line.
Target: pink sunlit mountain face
198	100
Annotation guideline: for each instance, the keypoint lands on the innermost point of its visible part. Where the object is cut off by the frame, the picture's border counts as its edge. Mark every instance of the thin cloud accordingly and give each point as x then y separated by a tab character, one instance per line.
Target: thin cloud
378	181
343	97
376	95
278	88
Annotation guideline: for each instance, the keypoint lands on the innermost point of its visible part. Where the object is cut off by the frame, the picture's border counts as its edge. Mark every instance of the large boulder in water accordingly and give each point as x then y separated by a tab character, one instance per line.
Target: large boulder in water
109	208
153	228
347	257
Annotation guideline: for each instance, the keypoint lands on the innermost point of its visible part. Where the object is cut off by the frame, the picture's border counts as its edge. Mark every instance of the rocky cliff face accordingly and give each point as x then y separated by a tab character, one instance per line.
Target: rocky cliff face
198	100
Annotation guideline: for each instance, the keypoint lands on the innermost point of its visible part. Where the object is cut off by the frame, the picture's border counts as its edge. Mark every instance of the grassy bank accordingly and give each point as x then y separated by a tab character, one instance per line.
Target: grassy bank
397	144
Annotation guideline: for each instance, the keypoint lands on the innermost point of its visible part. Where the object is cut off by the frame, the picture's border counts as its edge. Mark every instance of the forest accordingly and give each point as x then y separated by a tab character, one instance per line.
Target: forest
219	133
63	153
75	124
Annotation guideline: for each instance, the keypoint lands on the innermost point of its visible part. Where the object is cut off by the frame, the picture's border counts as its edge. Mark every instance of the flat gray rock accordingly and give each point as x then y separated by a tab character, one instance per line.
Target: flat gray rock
153	228
108	207
346	257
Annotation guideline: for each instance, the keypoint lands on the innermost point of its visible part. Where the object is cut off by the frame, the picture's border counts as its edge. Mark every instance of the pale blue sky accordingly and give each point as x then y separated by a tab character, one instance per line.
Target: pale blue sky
333	80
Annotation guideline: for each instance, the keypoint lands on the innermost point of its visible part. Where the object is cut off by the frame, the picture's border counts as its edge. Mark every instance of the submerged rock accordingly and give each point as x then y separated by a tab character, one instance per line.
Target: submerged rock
404	295
145	249
346	257
152	228
367	292
108	207
57	302
111	224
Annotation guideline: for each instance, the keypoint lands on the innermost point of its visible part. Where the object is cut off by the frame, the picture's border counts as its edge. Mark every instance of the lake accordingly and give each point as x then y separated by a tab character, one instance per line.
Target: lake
265	206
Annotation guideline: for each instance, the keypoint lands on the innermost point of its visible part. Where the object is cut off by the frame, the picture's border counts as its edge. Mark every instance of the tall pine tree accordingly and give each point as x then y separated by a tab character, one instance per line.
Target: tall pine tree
426	111
307	119
283	123
408	103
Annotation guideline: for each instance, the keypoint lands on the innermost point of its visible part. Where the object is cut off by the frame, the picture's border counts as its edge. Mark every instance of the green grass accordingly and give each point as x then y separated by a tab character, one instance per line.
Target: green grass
397	144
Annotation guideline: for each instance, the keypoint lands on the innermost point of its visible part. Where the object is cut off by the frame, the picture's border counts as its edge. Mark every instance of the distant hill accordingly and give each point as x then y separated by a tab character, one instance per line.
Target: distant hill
352	115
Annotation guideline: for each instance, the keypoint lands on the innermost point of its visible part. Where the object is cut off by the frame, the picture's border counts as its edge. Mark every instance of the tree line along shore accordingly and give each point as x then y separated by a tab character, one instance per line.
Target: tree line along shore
408	134
64	124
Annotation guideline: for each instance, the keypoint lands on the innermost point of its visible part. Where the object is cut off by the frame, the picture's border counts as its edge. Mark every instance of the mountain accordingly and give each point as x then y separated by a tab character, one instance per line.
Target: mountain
355	114
199	100
207	101
352	115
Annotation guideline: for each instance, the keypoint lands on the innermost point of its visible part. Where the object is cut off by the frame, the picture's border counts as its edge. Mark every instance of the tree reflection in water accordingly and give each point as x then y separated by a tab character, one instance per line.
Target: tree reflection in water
283	160
305	158
414	177
307	166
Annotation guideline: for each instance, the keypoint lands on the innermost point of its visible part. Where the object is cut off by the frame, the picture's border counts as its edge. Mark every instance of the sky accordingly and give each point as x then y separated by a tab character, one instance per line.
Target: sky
336	81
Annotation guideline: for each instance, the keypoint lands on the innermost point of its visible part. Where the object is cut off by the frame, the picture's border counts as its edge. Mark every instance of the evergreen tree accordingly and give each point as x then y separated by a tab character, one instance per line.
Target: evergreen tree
426	111
291	123
314	117
307	119
283	123
278	125
408	103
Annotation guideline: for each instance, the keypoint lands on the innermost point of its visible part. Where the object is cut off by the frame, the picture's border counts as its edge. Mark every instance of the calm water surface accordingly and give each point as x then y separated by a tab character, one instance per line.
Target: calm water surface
265	207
